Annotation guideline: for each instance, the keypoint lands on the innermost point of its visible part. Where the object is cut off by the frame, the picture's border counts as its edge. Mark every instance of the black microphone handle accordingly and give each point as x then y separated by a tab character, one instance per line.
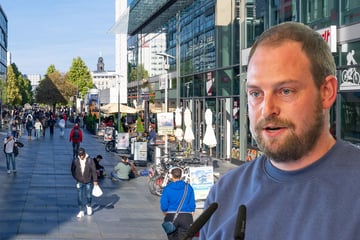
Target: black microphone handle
201	220
239	233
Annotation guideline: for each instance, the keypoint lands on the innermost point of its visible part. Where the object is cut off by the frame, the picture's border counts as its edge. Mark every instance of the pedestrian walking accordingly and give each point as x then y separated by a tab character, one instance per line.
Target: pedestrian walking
76	138
176	193
29	126
38	128
289	191
9	143
51	123
62	126
83	171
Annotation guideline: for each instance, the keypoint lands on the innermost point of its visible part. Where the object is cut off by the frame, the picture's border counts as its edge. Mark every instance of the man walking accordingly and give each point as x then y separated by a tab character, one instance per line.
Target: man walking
76	139
83	171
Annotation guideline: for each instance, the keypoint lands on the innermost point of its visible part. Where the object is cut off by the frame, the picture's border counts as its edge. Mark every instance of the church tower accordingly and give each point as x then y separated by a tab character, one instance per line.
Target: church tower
100	65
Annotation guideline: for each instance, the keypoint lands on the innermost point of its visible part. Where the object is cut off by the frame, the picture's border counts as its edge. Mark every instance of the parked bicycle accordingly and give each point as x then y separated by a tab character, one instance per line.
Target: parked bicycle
160	174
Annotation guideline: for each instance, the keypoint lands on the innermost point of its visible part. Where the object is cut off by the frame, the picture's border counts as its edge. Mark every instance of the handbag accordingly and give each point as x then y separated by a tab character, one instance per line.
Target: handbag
97	192
169	226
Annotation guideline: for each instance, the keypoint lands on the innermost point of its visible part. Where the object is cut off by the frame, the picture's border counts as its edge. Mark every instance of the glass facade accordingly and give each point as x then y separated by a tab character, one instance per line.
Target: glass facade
3	43
209	59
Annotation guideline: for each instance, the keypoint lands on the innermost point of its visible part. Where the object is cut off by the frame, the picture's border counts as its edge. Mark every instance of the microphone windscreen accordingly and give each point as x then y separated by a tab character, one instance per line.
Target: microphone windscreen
240	224
201	220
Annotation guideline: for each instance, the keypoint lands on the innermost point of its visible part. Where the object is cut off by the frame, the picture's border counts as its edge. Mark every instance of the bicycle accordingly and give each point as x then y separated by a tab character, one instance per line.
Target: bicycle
160	174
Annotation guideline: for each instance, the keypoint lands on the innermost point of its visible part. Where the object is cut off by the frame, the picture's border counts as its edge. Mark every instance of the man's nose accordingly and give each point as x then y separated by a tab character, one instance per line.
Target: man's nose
270	106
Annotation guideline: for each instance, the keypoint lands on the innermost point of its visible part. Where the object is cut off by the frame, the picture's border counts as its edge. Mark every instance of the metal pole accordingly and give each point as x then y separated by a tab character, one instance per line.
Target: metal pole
242	100
178	59
99	106
118	115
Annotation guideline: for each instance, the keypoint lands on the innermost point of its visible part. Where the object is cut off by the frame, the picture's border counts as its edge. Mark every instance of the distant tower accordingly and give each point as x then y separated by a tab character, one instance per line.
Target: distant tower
100	65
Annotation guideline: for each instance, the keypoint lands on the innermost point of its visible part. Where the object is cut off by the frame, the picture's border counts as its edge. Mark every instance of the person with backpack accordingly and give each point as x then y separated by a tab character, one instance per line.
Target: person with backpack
76	139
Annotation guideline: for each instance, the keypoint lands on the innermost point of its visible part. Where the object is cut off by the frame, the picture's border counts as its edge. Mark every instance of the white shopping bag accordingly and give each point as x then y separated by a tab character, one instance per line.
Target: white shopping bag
97	192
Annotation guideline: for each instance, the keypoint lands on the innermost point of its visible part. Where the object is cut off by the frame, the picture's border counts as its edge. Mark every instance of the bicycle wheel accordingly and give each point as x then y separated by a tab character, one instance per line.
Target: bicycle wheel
107	146
356	78
344	76
158	181
151	185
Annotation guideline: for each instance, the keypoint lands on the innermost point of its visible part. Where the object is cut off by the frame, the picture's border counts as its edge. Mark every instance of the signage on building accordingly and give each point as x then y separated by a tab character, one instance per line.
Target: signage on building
329	35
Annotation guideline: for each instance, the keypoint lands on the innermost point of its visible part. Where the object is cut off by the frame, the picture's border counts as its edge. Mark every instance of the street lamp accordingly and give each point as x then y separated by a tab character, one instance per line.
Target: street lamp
166	67
118	114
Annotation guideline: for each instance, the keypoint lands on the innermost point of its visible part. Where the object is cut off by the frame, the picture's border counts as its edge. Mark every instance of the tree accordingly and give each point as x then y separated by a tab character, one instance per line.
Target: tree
54	89
80	76
18	84
51	69
138	73
25	90
13	96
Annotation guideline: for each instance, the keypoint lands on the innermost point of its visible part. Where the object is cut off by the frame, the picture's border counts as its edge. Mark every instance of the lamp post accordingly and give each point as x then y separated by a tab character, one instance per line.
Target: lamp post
118	114
166	67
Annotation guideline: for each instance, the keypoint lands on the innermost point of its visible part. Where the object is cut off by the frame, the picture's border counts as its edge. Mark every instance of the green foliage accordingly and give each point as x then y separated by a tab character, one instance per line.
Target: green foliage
51	69
13	96
138	73
90	122
139	125
25	90
79	75
54	89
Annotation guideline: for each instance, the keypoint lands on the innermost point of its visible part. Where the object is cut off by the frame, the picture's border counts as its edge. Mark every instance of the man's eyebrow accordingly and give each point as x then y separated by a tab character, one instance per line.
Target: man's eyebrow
276	85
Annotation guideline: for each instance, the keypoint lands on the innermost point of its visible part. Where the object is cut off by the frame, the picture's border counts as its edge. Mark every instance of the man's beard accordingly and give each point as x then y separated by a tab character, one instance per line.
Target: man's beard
292	147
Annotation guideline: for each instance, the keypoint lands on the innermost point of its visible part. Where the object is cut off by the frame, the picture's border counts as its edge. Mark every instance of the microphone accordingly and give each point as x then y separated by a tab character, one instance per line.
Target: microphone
200	221
240	224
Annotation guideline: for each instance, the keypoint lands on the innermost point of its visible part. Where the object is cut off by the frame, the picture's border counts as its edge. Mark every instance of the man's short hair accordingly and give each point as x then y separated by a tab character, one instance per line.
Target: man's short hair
176	173
317	51
81	152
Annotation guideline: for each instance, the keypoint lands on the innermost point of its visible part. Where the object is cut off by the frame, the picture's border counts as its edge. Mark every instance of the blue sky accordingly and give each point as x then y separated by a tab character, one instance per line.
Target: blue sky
45	32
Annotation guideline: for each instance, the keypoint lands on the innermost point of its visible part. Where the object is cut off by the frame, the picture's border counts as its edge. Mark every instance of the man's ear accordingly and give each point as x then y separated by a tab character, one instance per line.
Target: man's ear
328	91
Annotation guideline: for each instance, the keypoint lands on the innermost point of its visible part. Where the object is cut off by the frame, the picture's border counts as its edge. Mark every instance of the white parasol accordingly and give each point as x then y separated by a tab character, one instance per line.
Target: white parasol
209	136
178	121
189	135
114	107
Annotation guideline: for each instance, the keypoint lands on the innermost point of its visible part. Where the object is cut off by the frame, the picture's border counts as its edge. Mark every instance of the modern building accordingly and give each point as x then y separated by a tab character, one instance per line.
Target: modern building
34	80
3	44
210	39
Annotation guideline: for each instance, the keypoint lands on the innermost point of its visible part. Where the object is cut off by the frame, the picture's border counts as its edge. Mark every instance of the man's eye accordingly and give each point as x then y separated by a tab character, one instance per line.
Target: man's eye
286	91
254	94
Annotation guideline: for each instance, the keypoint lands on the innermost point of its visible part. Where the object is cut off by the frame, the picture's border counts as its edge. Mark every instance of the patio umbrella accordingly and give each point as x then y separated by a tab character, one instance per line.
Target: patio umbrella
113	108
209	136
189	135
178	121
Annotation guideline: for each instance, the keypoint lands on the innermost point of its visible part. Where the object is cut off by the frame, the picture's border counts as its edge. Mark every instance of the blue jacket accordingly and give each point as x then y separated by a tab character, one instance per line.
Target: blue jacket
171	198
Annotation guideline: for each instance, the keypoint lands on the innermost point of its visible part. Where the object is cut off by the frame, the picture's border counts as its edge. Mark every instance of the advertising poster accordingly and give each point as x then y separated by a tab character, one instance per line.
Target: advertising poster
165	123
140	151
201	179
123	141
